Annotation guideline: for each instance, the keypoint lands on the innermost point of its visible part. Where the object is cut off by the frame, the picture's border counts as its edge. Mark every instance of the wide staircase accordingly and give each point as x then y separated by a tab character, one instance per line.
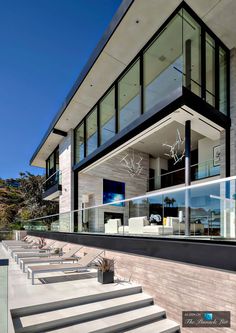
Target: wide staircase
123	310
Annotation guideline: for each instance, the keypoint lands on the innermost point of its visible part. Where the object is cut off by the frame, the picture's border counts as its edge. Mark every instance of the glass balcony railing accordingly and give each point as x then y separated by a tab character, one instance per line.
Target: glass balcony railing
198	171
3	295
206	210
52	180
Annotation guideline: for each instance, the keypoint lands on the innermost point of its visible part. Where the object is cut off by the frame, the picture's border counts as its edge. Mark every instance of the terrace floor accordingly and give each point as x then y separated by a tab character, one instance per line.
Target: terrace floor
58	286
73	302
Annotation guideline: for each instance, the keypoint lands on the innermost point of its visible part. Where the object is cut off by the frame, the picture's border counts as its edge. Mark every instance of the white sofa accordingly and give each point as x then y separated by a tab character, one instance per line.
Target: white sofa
136	224
112	226
158	230
140	225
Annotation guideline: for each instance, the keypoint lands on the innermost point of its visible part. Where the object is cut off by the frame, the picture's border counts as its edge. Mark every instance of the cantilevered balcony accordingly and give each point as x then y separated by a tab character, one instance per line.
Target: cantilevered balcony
52	186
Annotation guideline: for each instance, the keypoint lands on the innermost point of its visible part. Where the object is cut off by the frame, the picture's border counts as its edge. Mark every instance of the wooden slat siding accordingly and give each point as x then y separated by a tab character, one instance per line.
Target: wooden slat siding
180	287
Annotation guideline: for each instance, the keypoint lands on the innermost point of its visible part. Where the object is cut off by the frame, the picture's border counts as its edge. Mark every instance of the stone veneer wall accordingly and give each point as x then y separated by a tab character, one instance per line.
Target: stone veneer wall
233	111
66	198
179	287
92	183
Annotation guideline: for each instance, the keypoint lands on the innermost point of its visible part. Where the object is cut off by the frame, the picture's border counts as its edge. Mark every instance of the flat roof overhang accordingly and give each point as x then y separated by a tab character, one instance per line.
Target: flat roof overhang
179	100
121	42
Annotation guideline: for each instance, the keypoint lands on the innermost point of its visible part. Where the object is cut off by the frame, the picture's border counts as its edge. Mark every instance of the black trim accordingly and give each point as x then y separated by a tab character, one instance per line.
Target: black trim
59	132
98	126
54	161
210	253
51	190
4	262
144	121
203	63
177	99
227	152
217	77
76	199
106	37
141	83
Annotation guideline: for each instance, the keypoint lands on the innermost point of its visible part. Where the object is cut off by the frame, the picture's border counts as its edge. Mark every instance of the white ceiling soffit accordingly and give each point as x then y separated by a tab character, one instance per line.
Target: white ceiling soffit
126	41
49	146
201	125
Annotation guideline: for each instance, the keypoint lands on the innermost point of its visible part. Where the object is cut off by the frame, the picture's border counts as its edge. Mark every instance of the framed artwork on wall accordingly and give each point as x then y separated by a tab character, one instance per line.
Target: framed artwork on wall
216	156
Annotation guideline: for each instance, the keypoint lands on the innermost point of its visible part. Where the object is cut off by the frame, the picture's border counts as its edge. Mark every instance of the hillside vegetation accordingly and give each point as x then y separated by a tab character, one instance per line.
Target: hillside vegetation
21	199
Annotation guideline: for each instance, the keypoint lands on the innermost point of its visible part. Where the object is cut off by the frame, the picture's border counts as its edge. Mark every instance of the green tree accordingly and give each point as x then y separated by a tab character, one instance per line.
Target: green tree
34	205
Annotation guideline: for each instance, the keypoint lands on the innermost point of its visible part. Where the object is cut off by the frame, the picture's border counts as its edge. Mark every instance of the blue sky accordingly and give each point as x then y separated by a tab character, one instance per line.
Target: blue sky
44	46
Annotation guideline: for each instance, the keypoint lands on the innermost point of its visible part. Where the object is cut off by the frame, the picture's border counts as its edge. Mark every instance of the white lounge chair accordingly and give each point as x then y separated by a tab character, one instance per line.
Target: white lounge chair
69	256
83	263
19	253
45	252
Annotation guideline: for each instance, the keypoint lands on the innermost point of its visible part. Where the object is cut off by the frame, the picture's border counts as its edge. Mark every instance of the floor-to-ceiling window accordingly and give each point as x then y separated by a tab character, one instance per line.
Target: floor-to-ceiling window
107	117
91	132
163	64
223	81
129	96
191	53
79	143
210	70
184	53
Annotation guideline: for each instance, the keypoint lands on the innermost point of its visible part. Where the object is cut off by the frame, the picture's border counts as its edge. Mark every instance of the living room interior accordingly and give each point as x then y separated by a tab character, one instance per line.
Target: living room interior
150	163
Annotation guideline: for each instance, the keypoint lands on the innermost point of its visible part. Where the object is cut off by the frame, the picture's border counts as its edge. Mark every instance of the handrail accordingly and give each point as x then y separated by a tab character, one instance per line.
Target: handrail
150	195
174	171
58	171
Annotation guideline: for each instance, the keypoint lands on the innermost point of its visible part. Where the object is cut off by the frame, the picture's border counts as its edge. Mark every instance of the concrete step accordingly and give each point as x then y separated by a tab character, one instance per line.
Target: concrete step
83	313
118	323
161	326
71	302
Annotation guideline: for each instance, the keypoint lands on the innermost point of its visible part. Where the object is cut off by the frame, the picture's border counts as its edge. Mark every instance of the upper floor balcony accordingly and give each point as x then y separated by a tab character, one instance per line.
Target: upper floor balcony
52	186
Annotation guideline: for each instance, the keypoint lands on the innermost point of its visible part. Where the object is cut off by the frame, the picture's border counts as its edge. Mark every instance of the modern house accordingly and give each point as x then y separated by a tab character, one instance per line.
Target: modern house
155	96
150	126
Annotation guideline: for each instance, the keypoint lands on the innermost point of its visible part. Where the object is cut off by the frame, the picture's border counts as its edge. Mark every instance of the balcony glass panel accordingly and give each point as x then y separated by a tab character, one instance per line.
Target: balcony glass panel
129	96
192	54
79	143
3	298
107	116
210	70
223	81
91	132
211	208
163	64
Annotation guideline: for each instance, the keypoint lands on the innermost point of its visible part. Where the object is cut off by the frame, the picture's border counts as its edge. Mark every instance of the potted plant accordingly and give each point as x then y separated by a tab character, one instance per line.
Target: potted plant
105	270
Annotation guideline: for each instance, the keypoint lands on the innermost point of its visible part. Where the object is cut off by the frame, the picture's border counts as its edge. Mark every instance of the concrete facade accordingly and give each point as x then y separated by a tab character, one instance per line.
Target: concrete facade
66	198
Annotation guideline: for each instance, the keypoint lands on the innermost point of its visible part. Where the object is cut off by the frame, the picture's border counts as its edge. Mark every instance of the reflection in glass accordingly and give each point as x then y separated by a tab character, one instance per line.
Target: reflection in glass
91	132
192	53
210	70
107	116
129	96
79	143
163	64
223	81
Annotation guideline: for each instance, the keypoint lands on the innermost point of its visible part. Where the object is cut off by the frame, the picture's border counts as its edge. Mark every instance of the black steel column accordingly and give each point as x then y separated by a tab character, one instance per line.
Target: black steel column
76	199
187	175
188	63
